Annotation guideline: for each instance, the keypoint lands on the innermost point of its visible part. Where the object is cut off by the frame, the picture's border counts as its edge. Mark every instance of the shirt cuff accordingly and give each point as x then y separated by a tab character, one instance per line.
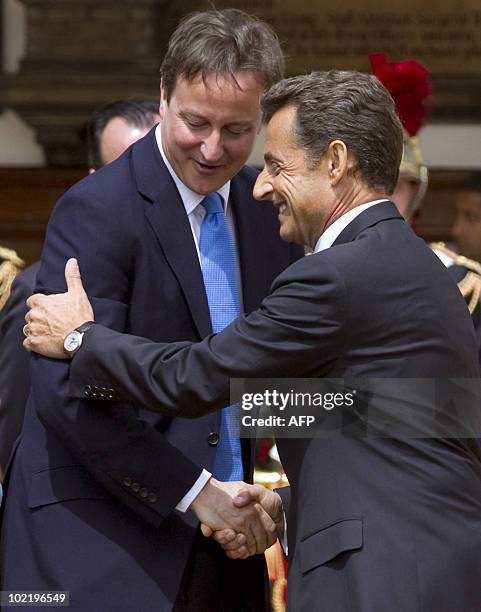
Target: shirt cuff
192	493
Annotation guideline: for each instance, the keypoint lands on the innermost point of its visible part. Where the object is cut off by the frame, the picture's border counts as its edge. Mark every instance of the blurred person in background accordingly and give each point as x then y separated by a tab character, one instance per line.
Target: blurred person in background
407	82
111	129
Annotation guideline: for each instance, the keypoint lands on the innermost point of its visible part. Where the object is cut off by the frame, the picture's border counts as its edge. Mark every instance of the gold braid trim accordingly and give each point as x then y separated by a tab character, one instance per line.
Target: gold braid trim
8	271
458	259
10	255
470	287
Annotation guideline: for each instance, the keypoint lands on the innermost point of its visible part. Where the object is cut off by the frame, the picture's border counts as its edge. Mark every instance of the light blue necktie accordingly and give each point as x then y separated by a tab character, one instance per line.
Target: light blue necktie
219	269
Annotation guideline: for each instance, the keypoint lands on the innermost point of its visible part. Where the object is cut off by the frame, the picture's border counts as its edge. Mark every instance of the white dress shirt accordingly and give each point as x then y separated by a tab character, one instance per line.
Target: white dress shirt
196	213
331	234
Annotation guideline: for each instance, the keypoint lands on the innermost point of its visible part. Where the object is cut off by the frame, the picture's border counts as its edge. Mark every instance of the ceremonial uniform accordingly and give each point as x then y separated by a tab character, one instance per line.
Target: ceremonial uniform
467	274
10	265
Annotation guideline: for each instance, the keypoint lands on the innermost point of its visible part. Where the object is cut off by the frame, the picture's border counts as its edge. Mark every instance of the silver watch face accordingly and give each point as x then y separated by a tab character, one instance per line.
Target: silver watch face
72	341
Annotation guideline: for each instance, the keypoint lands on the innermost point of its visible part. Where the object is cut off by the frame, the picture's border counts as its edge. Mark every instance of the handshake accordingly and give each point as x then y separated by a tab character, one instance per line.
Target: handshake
244	519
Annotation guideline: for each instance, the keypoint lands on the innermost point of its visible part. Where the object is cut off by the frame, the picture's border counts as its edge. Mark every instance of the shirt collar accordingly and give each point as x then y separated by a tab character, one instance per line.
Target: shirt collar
190	198
328	237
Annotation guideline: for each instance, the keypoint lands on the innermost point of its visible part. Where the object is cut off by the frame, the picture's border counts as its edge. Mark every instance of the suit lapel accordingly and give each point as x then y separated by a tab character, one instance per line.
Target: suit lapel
171	225
379	212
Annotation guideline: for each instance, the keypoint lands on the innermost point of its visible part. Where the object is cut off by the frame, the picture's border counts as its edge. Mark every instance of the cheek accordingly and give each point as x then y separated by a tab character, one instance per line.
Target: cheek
181	138
238	150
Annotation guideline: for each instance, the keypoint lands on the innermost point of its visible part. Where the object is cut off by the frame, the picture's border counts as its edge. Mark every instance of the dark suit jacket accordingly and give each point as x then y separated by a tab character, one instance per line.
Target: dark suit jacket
91	496
14	361
374	523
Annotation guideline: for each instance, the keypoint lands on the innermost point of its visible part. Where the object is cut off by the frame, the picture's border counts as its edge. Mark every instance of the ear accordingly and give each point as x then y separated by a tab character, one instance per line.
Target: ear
163	101
338	161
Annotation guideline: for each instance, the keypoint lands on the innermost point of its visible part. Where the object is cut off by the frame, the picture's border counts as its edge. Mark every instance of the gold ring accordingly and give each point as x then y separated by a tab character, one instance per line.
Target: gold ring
25	330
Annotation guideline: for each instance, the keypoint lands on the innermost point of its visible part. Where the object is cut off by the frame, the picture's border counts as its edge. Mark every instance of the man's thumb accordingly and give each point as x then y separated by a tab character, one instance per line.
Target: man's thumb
72	276
251	493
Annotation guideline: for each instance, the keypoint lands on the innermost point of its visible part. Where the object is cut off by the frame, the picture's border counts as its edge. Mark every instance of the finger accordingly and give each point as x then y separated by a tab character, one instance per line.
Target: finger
240	553
34	329
238	542
251	526
247	495
268	525
206	531
259	534
26	345
72	276
33	300
226	537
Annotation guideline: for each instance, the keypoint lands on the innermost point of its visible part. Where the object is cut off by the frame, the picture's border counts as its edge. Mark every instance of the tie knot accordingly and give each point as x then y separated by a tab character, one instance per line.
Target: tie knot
212	204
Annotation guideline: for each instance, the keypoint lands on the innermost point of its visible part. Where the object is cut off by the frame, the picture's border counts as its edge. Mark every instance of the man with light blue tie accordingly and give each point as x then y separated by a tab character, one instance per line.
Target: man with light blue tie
173	223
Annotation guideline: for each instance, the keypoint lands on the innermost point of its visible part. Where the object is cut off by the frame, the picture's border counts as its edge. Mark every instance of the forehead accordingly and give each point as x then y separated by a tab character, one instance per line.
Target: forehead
469	200
219	93
279	131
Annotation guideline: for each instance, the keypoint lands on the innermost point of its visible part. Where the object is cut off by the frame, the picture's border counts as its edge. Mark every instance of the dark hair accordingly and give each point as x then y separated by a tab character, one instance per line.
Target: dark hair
221	42
472	182
138	112
343	105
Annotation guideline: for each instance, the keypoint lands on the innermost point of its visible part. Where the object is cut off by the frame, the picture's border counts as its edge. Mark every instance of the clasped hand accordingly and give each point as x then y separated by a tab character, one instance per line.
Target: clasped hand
244	519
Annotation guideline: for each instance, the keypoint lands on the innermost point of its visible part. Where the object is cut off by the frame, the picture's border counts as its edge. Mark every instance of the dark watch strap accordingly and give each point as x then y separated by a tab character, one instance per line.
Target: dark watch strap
85	326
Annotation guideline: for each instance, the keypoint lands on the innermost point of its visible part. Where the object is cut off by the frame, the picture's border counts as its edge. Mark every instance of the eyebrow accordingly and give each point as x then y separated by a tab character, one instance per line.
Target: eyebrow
269	158
193	115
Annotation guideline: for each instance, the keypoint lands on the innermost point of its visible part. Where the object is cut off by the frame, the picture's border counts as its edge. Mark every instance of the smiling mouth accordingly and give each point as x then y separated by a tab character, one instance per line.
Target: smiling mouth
208	168
281	206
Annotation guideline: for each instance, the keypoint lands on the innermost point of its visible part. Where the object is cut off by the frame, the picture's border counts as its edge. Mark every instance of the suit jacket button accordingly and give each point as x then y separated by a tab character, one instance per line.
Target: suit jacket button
144	492
88	391
127	481
152	498
135	487
213	439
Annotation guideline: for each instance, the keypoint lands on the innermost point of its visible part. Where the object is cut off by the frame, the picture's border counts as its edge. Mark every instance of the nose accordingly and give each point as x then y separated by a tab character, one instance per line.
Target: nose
263	189
212	148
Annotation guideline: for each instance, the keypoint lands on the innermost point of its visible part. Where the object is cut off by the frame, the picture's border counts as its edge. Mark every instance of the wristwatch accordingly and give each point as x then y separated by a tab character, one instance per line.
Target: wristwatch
73	340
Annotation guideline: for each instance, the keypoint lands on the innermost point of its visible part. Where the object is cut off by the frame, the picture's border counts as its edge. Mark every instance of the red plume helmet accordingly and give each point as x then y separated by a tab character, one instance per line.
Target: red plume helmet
407	82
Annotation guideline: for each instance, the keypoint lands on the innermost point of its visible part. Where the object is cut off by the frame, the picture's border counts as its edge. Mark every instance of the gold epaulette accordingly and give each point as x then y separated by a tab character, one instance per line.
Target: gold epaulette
470	285
10	265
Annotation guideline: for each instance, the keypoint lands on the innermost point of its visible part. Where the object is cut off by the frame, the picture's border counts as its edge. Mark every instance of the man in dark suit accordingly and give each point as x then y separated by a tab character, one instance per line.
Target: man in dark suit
373	523
96	501
111	129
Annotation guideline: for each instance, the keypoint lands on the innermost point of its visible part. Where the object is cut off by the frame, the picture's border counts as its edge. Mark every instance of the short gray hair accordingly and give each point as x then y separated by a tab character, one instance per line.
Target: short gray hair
343	105
221	42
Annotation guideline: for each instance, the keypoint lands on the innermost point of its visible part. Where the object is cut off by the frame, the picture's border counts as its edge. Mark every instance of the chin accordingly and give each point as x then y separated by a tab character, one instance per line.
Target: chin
286	235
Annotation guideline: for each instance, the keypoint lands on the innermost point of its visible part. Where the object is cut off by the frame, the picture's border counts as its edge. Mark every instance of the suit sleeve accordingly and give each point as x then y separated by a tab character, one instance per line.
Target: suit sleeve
298	331
114	444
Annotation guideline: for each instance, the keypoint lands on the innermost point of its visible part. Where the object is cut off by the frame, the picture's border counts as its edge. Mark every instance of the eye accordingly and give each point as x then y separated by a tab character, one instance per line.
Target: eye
195	124
237	130
273	168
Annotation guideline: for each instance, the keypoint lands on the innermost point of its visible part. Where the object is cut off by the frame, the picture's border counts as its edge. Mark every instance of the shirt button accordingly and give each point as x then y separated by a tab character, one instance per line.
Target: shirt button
127	481
135	487
143	492
152	498
213	439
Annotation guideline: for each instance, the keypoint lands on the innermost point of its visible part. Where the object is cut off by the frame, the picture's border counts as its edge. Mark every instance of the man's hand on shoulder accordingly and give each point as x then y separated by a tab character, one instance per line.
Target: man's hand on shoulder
51	317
